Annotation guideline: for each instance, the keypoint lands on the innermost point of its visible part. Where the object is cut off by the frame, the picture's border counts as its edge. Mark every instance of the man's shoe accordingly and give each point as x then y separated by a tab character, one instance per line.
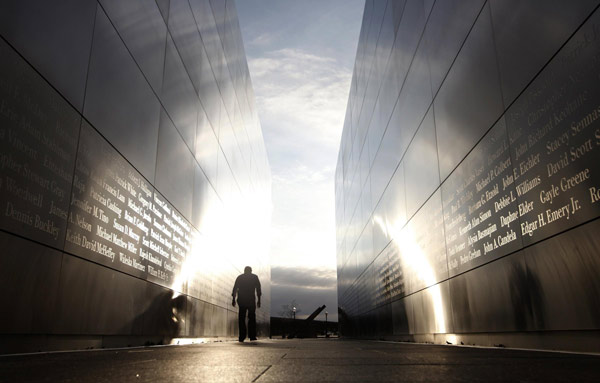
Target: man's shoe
252	338
240	340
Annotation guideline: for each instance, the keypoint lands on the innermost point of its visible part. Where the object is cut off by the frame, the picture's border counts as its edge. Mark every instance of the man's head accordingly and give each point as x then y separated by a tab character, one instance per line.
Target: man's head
247	270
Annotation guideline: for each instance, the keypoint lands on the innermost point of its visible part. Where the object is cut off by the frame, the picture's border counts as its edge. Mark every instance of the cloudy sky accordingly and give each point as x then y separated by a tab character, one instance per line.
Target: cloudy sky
301	55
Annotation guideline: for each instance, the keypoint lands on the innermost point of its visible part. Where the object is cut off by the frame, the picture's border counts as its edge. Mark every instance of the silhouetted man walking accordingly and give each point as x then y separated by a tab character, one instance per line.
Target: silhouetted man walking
245	285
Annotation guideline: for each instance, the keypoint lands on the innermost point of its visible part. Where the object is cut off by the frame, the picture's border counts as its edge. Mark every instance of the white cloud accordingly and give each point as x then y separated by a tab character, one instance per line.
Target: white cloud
312	278
301	98
262	39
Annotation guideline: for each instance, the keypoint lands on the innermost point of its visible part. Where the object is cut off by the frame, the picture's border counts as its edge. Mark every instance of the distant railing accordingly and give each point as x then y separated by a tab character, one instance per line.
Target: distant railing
303	328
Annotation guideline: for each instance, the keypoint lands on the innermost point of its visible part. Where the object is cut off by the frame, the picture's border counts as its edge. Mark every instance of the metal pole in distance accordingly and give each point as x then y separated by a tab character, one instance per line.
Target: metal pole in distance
326	334
294	321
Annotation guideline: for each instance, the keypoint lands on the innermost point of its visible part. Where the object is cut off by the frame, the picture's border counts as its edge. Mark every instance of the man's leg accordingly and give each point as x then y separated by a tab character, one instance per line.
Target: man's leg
242	322
252	322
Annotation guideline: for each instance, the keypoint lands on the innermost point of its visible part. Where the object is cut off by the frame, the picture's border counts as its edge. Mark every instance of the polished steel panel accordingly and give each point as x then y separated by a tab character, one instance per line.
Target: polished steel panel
351	269
481	211
186	36
200	197
400	316
209	92
163	6
397	9
422	247
563	286
392	148
200	318
380	175
97	300
368	11
206	24
431	310
428	5
366	203
142	28
119	102
364	248
367	288
199	282
117	219
38	141
226	88
206	147
386	101
494	297
174	167
382	274
224	176
227	138
174	240
360	140
385	43
205	20
397	278
408	36
415	97
157	315
218	10
231	40
390	216
193	317
232	323
554	137
30	306
462	120
528	33
54	38
207	318
179	97
180	308
448	26
96	206
420	165
219	321
370	87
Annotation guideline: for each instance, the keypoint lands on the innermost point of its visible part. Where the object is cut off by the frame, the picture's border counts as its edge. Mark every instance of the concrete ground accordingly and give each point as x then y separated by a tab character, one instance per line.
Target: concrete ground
309	360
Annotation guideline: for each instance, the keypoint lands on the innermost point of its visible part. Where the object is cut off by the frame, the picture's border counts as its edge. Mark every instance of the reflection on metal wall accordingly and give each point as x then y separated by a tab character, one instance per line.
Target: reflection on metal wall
468	177
135	185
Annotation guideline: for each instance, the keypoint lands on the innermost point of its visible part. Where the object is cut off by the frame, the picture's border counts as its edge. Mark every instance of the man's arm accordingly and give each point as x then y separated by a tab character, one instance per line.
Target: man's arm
235	289
258	291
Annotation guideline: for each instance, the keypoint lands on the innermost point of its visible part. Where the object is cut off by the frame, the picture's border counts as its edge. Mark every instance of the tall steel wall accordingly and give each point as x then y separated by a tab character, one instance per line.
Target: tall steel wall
135	184
468	176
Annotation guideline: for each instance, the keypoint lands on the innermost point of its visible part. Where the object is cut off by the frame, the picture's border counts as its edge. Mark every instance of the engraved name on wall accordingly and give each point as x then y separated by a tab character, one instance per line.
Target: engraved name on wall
481	211
535	173
554	134
38	140
118	219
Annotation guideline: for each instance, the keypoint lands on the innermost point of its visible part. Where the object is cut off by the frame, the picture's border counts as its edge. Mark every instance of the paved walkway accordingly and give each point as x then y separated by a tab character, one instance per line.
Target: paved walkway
312	360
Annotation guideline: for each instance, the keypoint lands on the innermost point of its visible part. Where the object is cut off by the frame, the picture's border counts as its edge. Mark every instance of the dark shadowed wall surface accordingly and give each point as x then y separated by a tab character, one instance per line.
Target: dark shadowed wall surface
134	181
468	176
